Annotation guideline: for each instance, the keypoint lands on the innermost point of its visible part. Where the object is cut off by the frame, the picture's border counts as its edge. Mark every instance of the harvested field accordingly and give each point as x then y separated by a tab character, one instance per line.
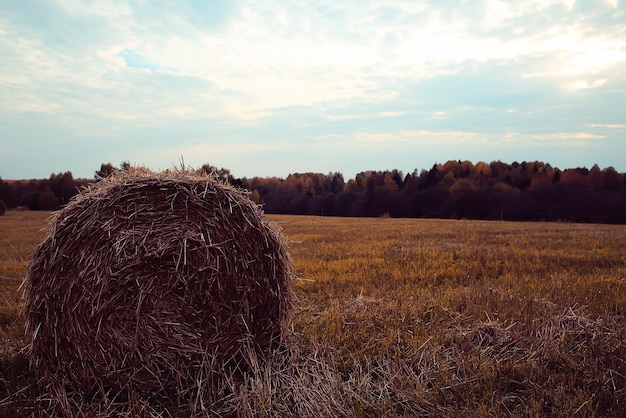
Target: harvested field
417	317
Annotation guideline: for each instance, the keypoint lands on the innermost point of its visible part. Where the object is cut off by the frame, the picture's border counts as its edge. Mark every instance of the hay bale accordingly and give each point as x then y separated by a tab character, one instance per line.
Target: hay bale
147	283
3	208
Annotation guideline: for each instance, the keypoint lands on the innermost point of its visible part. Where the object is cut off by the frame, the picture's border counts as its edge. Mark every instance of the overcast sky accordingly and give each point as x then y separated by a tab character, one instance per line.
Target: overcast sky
267	88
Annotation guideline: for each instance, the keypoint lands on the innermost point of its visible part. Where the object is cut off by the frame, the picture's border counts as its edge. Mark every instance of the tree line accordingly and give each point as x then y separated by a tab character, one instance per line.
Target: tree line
526	191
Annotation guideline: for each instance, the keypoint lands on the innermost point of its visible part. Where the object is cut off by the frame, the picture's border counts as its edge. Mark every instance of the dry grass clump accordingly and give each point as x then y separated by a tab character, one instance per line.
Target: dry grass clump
154	288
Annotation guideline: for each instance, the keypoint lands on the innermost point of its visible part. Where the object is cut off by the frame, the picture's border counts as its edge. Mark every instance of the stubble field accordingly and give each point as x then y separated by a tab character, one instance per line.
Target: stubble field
400	317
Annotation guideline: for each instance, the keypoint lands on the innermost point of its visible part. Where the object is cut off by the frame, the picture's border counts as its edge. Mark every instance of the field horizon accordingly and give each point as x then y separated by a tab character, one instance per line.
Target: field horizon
413	317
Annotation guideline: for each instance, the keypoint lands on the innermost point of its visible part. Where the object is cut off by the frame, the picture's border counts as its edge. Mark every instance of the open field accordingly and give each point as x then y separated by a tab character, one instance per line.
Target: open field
424	317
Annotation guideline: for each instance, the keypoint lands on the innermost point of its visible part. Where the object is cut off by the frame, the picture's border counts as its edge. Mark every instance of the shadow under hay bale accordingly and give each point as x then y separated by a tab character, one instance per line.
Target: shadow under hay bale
153	285
3	208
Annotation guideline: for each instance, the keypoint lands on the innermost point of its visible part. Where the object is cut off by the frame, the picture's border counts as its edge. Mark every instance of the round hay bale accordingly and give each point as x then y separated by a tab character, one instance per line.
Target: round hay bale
3	208
147	283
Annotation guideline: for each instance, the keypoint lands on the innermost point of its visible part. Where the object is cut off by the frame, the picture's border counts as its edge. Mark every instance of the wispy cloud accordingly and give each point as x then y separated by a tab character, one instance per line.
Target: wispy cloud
607	125
567	136
387	114
421	136
469	138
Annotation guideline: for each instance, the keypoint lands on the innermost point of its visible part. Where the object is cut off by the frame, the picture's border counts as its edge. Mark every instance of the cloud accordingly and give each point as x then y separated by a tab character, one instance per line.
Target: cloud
607	125
253	74
421	136
383	114
584	84
565	136
315	53
468	138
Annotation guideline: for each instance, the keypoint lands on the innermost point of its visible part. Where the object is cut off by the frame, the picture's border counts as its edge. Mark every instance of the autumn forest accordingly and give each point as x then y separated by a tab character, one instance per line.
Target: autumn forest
526	191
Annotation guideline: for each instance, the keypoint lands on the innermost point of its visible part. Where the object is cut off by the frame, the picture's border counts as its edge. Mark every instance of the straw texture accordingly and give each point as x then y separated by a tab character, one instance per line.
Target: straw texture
153	284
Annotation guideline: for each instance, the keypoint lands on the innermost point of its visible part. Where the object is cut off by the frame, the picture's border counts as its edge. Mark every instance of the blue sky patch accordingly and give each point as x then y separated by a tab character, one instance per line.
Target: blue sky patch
134	60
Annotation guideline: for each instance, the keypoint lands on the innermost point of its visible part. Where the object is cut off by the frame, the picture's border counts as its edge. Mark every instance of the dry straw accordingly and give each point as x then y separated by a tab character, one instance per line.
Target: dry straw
155	285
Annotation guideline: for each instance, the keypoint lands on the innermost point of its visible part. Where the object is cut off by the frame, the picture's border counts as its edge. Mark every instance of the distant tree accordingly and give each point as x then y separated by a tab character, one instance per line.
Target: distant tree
361	181
463	201
279	201
391	180
371	181
221	173
499	169
337	183
576	178
387	201
310	184
40	200
397	178
540	180
323	205
264	186
501	201
452	166
353	185
429	178
299	205
7	194
63	186
359	208
462	186
467	169
345	200
106	169
47	201
448	180
483	169
428	203
410	183
256	197
611	180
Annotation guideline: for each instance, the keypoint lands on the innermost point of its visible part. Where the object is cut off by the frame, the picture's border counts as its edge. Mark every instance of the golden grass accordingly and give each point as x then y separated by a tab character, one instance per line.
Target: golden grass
420	317
466	317
20	232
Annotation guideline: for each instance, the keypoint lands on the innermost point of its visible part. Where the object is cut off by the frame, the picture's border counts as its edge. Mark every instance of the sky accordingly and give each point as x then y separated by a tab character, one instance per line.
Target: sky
273	87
